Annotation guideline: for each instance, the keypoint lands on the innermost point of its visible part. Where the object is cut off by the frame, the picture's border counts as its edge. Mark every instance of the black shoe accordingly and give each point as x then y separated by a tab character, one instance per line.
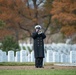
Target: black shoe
41	67
36	66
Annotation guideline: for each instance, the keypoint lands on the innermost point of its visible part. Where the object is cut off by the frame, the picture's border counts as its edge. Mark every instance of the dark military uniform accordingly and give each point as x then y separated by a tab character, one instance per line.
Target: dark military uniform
38	48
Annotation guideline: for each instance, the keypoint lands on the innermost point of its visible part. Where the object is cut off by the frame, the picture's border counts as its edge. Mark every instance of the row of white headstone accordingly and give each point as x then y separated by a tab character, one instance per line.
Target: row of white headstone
51	55
21	56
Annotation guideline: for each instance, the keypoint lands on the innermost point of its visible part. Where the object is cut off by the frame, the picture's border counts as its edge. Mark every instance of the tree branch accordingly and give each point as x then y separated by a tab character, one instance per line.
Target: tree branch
28	7
36	11
24	16
24	29
40	2
45	15
21	13
48	23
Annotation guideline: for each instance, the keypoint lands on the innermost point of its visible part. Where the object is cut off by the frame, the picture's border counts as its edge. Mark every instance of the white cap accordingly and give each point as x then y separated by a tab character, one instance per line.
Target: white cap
37	26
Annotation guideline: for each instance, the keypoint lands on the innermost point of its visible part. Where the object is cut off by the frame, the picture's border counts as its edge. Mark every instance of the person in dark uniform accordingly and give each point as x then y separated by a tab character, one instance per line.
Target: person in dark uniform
38	37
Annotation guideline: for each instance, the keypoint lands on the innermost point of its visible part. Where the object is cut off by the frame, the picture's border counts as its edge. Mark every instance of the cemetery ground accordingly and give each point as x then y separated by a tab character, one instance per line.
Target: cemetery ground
15	68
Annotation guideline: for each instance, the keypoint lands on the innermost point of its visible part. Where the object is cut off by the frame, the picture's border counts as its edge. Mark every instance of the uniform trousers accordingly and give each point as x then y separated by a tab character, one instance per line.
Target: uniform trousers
39	62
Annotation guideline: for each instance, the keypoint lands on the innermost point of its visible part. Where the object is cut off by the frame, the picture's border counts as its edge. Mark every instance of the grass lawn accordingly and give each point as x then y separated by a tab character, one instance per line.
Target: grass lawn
34	71
38	72
21	64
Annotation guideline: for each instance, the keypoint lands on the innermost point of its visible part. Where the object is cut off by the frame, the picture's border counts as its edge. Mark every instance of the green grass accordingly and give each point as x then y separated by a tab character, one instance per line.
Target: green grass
20	64
16	64
38	72
34	71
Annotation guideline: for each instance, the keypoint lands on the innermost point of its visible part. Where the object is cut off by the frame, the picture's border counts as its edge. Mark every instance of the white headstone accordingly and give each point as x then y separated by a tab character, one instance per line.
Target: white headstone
67	58
5	58
32	56
11	57
72	56
23	56
45	59
26	58
49	56
54	57
1	54
62	56
29	57
57	57
17	57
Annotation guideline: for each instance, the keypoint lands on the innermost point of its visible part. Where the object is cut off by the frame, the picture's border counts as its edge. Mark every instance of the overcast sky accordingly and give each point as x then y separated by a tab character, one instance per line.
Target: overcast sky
31	3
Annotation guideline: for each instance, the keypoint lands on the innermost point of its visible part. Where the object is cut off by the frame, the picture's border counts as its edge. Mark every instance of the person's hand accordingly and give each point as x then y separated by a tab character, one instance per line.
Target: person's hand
39	32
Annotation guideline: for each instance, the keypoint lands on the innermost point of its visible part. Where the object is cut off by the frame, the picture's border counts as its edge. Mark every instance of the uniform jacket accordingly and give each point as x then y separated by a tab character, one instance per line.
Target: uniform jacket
38	44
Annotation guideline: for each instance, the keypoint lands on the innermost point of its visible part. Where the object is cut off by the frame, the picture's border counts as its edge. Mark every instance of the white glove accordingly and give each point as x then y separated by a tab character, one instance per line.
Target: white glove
40	32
